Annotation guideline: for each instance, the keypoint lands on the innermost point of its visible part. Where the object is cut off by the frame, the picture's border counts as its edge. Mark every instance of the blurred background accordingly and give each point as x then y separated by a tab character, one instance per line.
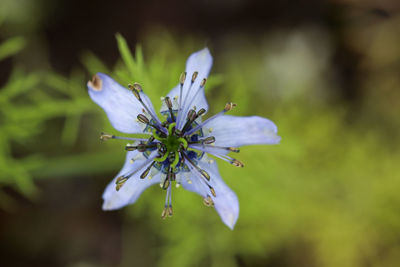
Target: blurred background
326	72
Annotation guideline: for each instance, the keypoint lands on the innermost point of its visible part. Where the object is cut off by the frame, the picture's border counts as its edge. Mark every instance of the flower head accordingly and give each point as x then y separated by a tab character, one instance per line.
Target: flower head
176	148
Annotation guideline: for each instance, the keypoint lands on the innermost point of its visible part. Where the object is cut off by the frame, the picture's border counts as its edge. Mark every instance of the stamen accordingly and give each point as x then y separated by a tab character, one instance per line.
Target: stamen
170	213
166	183
130	147
140	147
212	191
228	107
147	161
237	163
203	173
106	136
146	172
168	204
181	81
230	160
208	140
138	87
136	90
191	116
203	82
200	112
194	76
208	201
164	212
143	119
212	149
169	105
180	113
182	78
120	182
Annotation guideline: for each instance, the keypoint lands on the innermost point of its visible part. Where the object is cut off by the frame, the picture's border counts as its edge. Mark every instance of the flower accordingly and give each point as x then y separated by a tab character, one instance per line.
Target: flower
176	149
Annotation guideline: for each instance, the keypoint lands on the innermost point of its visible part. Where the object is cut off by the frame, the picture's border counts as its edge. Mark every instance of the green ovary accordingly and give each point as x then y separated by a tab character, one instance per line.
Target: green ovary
172	143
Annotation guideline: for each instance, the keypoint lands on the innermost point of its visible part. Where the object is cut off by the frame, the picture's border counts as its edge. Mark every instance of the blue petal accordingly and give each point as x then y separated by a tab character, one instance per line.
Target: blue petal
225	202
119	103
132	188
201	62
232	131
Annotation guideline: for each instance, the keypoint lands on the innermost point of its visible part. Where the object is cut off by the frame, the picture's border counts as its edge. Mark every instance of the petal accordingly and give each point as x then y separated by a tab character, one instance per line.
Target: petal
201	62
225	202
232	131
120	105
132	188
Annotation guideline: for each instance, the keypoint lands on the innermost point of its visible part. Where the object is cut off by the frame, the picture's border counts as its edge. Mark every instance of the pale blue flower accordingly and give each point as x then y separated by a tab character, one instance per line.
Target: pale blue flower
176	149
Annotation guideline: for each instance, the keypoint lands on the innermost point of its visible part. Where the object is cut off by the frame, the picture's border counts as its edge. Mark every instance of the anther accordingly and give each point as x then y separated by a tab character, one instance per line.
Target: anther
164	212
106	136
138	87
237	163
135	91
234	149
170	212
191	115
146	172
168	102
200	112
120	182
166	184
229	106
205	174
208	140
182	78
130	147
142	147
203	82
143	119
208	201
170	175
212	191
194	76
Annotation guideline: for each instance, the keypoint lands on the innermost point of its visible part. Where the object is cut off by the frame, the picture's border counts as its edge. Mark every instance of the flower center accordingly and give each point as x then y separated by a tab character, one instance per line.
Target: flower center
173	143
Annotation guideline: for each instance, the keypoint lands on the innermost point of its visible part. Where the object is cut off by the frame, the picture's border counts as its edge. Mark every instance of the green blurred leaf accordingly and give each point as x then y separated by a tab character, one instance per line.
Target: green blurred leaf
11	47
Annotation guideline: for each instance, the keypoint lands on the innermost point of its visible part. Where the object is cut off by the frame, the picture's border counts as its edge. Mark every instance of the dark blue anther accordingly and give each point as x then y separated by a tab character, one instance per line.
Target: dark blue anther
194	138
192	155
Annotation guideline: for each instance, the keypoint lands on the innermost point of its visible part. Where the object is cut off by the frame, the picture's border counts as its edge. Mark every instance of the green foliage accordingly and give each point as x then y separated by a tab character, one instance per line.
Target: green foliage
11	47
